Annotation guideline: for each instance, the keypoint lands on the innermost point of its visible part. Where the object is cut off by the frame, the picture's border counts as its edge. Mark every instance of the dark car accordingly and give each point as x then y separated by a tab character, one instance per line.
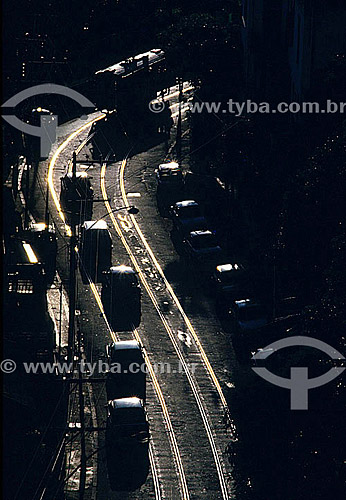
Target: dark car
42	238
127	373
121	298
170	186
229	282
277	329
127	444
187	216
169	174
248	315
202	248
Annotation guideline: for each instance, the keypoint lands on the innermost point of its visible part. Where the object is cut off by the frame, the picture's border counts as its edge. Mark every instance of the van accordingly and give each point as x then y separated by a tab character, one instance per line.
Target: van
95	250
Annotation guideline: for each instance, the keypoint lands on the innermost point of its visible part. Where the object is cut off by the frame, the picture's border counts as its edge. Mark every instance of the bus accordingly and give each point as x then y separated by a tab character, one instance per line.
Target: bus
95	250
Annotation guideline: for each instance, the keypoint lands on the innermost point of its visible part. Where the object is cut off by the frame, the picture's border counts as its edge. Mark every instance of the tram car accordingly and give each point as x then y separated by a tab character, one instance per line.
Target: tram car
125	90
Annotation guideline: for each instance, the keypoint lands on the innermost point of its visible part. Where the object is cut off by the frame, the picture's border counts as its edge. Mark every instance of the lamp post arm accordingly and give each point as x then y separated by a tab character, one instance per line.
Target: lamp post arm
131	207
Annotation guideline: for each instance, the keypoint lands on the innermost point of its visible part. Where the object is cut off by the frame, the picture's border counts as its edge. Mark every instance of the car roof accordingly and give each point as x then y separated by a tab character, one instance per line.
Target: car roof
186	203
122	270
244	303
100	224
173	165
225	268
122	345
126	403
193	234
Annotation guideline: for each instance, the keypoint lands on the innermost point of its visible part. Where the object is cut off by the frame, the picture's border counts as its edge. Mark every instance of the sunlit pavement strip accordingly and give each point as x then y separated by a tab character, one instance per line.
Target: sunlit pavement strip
57	303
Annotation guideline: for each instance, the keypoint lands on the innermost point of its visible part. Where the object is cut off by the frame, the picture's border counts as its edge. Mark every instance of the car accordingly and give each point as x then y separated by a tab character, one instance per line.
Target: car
127	444
42	238
127	374
127	421
201	247
248	315
229	280
274	330
187	216
121	298
169	174
170	185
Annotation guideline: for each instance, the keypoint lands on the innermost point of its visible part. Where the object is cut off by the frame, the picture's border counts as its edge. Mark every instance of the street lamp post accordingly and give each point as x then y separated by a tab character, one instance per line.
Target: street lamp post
72	277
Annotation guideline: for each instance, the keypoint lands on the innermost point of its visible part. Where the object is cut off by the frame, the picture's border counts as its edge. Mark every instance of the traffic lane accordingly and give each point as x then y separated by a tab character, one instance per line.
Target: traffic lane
160	350
190	289
94	331
158	287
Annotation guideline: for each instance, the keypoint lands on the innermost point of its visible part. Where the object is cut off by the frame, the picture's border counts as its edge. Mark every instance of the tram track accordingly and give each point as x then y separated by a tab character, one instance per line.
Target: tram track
122	228
184	492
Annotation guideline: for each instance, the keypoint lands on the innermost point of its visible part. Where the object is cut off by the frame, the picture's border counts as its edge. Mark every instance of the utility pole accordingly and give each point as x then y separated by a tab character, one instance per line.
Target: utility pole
82	477
72	278
46	216
27	190
71	331
178	141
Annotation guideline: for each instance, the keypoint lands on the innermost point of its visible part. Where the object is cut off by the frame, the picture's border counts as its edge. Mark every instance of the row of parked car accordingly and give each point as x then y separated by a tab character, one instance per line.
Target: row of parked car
228	282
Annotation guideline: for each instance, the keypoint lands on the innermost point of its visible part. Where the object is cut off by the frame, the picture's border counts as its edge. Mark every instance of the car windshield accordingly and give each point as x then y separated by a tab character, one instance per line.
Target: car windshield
170	176
127	356
231	277
251	313
129	416
205	241
126	280
189	212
